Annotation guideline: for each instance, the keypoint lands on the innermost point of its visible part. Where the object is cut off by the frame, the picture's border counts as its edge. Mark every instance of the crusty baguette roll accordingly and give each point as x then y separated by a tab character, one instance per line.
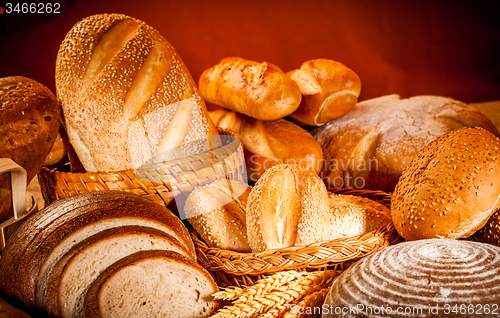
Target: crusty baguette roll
354	215
451	188
217	212
329	90
30	117
268	143
258	90
288	206
127	96
425	278
159	284
371	145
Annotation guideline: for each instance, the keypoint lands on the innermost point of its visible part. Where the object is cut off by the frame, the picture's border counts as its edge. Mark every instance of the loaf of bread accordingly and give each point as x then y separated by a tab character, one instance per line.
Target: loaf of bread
490	233
152	284
425	278
288	206
268	143
217	211
371	145
258	90
329	90
81	265
352	215
29	120
451	188
46	236
127	96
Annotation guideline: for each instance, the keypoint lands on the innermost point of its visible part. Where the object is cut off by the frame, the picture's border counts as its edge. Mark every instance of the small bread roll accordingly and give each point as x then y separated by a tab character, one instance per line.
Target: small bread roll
451	188
329	90
490	233
268	143
352	215
217	212
259	90
288	206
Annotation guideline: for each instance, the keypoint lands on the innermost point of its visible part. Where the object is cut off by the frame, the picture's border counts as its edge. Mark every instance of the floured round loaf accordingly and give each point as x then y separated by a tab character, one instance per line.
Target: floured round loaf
371	145
425	278
152	284
127	96
451	188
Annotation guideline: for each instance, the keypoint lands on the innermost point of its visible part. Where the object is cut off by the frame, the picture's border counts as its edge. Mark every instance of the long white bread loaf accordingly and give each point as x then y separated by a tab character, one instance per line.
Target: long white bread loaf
127	96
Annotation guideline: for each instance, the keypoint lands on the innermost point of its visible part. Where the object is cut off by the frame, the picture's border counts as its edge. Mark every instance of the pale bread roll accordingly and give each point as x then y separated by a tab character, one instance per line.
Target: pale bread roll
451	188
127	96
329	90
288	206
354	215
217	212
425	278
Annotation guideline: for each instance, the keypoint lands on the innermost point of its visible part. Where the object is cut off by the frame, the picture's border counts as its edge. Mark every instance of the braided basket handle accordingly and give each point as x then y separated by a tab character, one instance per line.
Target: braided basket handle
18	185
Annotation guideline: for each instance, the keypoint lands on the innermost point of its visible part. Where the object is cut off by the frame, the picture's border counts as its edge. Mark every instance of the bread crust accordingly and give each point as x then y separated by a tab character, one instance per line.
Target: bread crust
258	90
121	83
29	121
450	188
288	206
329	90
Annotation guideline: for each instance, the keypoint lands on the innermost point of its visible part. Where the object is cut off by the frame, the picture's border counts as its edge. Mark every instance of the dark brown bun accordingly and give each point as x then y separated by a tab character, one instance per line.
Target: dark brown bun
425	278
490	233
451	188
371	145
30	117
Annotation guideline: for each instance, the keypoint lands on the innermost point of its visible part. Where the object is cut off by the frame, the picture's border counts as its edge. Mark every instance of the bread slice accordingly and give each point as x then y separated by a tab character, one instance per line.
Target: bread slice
52	231
73	274
152	284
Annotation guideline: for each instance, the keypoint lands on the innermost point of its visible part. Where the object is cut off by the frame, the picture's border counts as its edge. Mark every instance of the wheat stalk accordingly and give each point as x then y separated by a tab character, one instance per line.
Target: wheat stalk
309	301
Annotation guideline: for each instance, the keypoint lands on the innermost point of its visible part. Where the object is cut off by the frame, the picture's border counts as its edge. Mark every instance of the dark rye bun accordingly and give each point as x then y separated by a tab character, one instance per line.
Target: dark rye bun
30	117
288	206
45	236
82	264
121	83
152	284
425	278
451	188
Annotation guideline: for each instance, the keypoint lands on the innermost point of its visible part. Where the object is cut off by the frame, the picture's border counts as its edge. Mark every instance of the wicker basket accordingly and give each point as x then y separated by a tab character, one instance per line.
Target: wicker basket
160	183
231	268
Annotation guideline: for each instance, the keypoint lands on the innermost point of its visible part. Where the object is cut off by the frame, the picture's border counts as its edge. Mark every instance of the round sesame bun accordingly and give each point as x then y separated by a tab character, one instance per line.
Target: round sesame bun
451	188
288	206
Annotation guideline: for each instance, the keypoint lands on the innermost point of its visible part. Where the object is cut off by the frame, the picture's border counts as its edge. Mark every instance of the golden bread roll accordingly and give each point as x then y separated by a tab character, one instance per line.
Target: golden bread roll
59	149
371	145
288	206
217	212
354	215
425	278
268	143
451	188
30	117
258	90
329	90
127	96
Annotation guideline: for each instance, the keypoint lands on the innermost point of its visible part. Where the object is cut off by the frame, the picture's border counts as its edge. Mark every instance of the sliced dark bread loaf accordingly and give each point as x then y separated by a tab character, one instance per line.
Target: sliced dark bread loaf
82	264
152	284
68	221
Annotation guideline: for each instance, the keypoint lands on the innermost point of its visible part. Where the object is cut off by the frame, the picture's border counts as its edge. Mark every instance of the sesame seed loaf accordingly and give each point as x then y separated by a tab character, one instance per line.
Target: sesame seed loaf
217	212
288	206
50	233
121	83
77	269
152	284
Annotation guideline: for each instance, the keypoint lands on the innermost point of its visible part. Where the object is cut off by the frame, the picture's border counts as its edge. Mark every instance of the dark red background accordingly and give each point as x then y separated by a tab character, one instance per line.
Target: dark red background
449	48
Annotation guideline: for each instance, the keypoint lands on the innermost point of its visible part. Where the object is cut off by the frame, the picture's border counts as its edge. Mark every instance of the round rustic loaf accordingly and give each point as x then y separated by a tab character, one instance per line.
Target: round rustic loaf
451	188
425	278
121	83
371	145
29	120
